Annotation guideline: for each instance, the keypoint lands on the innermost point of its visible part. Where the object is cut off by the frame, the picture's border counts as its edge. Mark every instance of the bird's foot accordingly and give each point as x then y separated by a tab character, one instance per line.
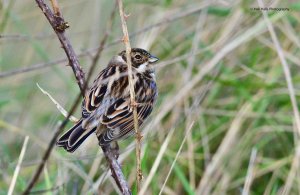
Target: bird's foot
115	149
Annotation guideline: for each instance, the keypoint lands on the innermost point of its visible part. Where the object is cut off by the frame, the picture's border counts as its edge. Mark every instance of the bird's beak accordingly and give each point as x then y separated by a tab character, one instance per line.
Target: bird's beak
153	59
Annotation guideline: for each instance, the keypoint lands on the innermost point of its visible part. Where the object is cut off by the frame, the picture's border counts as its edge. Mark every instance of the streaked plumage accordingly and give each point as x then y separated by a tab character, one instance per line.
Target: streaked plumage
106	106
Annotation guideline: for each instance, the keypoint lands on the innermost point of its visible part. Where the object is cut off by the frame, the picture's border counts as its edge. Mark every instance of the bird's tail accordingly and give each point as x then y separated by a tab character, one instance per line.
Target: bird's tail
74	137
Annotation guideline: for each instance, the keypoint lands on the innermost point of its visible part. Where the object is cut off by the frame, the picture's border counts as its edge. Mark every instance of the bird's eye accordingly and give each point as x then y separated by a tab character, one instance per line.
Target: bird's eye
138	57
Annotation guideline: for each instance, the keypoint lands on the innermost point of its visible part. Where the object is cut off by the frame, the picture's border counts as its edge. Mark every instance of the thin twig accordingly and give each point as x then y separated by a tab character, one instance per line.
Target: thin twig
115	167
17	170
58	106
132	96
32	68
250	172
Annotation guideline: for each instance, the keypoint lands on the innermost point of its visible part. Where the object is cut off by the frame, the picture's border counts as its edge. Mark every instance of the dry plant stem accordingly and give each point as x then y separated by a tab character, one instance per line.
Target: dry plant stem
250	172
55	6
58	106
74	63
292	173
17	170
132	96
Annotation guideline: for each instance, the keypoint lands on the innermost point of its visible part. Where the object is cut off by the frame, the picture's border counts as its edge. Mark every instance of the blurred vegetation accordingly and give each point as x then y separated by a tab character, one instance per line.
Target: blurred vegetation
239	108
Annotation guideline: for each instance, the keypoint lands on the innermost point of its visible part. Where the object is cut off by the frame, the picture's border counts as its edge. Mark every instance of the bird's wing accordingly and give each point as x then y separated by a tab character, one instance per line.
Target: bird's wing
118	119
98	93
108	102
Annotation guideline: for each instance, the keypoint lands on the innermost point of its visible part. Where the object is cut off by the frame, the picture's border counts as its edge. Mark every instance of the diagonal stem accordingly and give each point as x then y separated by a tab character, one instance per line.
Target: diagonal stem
132	95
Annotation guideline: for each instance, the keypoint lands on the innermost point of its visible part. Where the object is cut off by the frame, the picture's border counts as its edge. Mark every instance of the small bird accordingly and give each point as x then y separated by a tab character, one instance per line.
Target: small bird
107	109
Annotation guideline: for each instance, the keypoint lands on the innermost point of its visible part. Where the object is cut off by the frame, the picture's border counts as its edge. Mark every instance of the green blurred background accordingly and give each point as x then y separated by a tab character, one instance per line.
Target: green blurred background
221	86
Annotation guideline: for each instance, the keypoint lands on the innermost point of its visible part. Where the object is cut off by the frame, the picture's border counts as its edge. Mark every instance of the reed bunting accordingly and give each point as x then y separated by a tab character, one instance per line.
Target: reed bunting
107	109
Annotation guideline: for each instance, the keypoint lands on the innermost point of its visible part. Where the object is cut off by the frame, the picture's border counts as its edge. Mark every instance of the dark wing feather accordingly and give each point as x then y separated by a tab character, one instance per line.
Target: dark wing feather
97	92
119	119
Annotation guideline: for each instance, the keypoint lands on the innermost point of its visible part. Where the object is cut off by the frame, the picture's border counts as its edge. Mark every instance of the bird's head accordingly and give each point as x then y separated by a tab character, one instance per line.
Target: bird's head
141	59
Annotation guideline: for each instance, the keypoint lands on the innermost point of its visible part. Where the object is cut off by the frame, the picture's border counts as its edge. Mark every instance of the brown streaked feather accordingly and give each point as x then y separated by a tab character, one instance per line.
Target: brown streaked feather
73	138
100	88
120	116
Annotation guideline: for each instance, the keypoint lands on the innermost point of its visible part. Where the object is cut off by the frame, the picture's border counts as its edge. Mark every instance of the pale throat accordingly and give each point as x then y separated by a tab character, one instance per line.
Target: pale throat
147	70
143	67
